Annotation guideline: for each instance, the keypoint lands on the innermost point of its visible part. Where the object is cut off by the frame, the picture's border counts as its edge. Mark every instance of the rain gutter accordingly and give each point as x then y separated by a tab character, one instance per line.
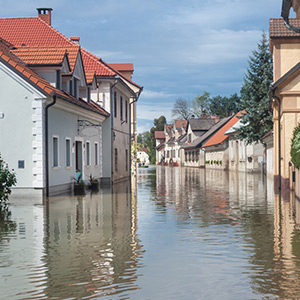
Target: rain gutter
46	140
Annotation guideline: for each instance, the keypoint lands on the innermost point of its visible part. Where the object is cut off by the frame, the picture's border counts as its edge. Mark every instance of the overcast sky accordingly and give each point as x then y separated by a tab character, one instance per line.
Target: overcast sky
180	48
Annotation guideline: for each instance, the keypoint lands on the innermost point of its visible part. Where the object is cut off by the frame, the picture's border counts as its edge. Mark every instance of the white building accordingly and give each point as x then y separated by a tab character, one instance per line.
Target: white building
46	133
143	157
112	89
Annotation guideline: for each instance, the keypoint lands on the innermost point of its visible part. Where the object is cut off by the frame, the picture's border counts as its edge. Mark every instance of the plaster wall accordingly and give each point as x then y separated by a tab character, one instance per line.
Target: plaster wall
143	157
289	56
21	130
64	125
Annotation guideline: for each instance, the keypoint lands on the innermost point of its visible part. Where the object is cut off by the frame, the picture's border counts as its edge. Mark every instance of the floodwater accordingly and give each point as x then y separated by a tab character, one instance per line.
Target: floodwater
182	234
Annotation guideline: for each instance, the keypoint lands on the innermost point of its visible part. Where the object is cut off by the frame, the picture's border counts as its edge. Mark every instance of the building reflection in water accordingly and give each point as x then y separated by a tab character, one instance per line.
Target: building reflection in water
268	225
91	244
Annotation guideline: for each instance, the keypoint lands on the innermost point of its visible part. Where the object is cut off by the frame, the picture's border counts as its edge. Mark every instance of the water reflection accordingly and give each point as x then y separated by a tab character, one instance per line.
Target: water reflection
181	234
88	248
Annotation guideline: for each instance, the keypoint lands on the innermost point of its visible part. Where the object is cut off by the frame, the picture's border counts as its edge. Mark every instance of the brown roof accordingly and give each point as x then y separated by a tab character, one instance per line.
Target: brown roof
279	30
201	124
159	135
181	124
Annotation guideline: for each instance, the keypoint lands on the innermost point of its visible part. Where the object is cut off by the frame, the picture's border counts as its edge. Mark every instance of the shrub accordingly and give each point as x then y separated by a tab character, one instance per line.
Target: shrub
295	149
220	162
7	180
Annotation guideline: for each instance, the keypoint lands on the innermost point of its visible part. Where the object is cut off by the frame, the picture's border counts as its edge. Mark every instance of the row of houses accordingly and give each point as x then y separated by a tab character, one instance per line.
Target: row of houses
209	142
62	108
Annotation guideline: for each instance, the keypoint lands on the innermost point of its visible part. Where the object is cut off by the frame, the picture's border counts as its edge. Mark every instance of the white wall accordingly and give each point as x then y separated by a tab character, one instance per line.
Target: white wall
21	128
65	125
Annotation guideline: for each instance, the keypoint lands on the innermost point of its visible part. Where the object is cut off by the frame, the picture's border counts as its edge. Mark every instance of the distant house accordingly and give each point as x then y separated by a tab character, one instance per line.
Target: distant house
142	156
217	147
243	157
175	137
160	145
193	152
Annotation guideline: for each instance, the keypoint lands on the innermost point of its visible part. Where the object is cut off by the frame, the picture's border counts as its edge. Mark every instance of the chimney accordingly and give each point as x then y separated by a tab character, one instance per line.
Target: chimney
75	39
45	14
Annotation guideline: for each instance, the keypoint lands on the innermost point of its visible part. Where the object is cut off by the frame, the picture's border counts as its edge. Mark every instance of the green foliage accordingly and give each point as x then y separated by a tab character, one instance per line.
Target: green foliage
224	106
295	149
200	105
255	100
181	109
147	138
7	180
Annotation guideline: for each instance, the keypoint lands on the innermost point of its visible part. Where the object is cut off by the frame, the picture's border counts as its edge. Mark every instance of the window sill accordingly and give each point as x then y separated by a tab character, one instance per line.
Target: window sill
56	168
69	168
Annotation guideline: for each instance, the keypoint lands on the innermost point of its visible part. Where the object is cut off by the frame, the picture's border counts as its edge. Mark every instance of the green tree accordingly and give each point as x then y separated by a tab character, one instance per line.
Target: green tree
200	105
258	119
182	109
224	106
7	180
295	148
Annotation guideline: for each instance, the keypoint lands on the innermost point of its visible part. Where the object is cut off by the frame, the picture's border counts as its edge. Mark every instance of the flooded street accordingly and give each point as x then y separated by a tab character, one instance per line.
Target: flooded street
185	234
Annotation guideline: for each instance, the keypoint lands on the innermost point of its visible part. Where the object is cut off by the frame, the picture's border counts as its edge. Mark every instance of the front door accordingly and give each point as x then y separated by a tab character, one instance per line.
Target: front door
78	156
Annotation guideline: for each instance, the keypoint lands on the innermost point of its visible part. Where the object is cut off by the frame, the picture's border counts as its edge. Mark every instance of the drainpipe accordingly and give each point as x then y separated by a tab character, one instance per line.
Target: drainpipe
130	141
279	137
46	140
285	12
112	128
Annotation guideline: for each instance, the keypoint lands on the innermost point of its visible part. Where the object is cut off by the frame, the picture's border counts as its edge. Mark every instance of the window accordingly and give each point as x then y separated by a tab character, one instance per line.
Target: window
115	103
190	138
186	156
178	153
126	111
126	162
55	151
58	79
96	154
68	153
121	108
88	154
116	159
71	87
75	87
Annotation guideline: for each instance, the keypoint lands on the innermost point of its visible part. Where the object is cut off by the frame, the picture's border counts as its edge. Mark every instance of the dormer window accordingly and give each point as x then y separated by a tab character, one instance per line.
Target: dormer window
71	87
75	88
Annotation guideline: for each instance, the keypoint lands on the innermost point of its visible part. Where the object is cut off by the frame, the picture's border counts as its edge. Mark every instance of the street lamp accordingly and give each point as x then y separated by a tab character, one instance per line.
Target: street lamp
285	12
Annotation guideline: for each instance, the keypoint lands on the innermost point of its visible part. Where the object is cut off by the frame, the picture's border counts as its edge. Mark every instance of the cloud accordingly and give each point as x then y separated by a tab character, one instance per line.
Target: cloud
147	94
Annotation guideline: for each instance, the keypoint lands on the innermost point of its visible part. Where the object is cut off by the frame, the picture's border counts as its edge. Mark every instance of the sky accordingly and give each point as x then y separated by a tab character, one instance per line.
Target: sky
180	48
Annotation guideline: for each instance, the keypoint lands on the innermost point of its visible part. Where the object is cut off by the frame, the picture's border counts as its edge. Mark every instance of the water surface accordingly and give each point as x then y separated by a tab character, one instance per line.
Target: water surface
181	234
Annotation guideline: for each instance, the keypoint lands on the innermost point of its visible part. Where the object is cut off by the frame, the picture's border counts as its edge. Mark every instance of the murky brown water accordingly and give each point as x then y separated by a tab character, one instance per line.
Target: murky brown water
188	234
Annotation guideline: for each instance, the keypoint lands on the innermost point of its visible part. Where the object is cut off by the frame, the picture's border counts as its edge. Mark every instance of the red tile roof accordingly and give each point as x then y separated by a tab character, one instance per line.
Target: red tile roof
35	32
159	135
219	137
123	67
13	62
181	123
279	30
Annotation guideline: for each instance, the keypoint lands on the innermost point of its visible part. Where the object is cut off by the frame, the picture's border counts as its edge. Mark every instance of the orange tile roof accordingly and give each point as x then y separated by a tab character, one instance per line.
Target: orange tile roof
33	31
45	55
219	137
122	67
12	61
37	33
90	75
279	30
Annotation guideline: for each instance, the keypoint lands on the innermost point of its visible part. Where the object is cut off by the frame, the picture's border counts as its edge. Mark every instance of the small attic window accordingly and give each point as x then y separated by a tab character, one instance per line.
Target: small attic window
23	45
